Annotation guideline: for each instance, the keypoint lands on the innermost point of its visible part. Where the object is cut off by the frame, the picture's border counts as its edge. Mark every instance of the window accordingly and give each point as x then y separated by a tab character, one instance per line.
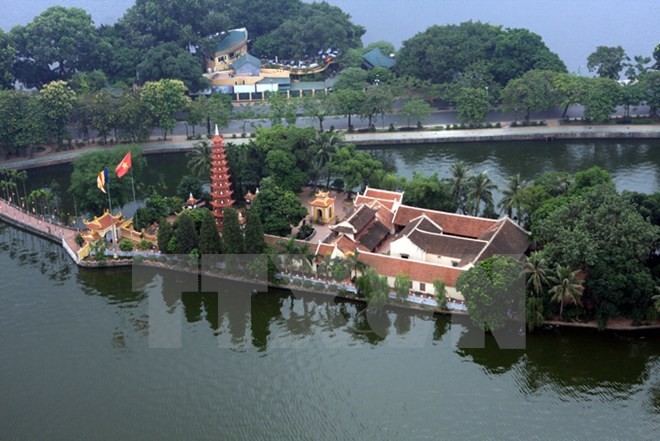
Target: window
410	285
454	263
404	256
422	286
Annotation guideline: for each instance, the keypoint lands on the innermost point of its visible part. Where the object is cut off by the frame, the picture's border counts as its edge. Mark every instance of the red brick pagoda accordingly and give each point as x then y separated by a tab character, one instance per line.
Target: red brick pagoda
220	186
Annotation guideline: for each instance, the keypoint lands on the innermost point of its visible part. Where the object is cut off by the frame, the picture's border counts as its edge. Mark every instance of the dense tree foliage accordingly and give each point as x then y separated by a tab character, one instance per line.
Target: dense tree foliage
441	53
7	58
279	209
534	91
607	62
56	44
492	291
85	170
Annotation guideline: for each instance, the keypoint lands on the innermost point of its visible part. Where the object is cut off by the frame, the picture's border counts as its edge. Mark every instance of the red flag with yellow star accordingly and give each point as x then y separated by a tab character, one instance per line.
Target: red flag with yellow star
124	166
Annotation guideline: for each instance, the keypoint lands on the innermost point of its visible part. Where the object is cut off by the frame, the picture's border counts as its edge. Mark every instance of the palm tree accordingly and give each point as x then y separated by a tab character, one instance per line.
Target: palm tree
535	268
566	287
512	196
459	176
327	144
199	163
22	176
560	187
480	189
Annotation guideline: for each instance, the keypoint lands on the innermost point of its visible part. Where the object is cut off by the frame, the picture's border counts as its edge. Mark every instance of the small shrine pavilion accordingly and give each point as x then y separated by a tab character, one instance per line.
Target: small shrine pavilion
106	226
322	208
221	193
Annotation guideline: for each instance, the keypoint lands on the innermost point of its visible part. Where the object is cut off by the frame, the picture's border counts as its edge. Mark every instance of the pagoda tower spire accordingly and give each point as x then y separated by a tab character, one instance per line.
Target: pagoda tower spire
221	193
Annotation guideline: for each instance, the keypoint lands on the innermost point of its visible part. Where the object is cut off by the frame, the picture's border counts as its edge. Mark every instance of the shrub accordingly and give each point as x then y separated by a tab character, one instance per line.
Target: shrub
144	245
498	125
285	280
126	245
319	285
307	283
233	135
297	282
392	129
333	288
514	124
79	240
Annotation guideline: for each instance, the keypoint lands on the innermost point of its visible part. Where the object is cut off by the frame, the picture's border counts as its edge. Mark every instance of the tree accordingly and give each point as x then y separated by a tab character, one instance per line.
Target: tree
490	290
232	235
60	41
315	26
209	237
254	233
472	105
649	85
164	99
441	53
440	293
22	122
460	174
512	197
566	288
601	98
133	119
282	168
377	100
103	115
185	234
428	192
373	287
189	185
280	108
326	144
199	162
607	62
518	51
356	168
85	170
480	189
402	285
171	61
416	109
638	68
7	58
570	88
279	209
536	270
352	78
532	92
347	102
318	106
57	100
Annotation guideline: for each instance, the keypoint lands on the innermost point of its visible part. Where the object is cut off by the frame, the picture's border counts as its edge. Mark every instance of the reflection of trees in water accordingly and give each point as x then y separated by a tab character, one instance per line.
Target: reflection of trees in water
574	363
113	284
530	159
28	250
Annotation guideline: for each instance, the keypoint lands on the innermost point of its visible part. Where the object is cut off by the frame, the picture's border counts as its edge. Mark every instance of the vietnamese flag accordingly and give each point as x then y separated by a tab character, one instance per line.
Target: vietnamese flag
124	165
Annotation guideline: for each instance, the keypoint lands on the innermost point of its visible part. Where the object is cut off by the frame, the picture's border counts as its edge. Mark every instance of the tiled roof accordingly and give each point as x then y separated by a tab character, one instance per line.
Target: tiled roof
373	236
356	222
395	196
417	271
246	59
103	222
345	244
362	199
454	224
233	38
449	246
508	240
376	58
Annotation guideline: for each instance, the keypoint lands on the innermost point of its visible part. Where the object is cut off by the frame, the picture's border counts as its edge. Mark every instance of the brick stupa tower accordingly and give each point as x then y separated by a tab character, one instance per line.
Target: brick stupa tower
221	193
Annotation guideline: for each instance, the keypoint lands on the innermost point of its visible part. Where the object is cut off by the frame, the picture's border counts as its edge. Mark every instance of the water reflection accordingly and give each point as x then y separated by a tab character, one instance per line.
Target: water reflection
27	250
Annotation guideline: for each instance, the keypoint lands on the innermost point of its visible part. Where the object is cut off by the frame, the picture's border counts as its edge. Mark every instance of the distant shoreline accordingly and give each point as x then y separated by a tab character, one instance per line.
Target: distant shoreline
179	144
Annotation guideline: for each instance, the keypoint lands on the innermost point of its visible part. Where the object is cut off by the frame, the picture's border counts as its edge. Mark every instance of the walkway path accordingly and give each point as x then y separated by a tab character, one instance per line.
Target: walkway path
18	217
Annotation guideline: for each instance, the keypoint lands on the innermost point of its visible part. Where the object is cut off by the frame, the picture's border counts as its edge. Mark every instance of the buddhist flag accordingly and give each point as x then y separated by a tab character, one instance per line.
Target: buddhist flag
101	179
124	165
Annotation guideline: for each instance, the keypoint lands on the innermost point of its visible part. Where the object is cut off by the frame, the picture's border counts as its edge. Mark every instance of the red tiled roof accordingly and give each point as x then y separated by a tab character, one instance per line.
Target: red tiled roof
383	194
361	199
418	271
455	224
345	244
103	222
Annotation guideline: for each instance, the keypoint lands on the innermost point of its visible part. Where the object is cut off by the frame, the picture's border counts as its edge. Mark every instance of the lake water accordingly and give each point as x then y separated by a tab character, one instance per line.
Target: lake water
570	28
634	165
75	363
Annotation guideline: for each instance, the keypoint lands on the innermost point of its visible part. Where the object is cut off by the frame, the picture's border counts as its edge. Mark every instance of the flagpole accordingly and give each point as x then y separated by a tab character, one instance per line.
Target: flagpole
134	200
109	200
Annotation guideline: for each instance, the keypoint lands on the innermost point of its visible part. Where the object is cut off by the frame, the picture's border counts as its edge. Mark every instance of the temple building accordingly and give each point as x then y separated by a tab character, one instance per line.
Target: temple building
322	209
221	193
